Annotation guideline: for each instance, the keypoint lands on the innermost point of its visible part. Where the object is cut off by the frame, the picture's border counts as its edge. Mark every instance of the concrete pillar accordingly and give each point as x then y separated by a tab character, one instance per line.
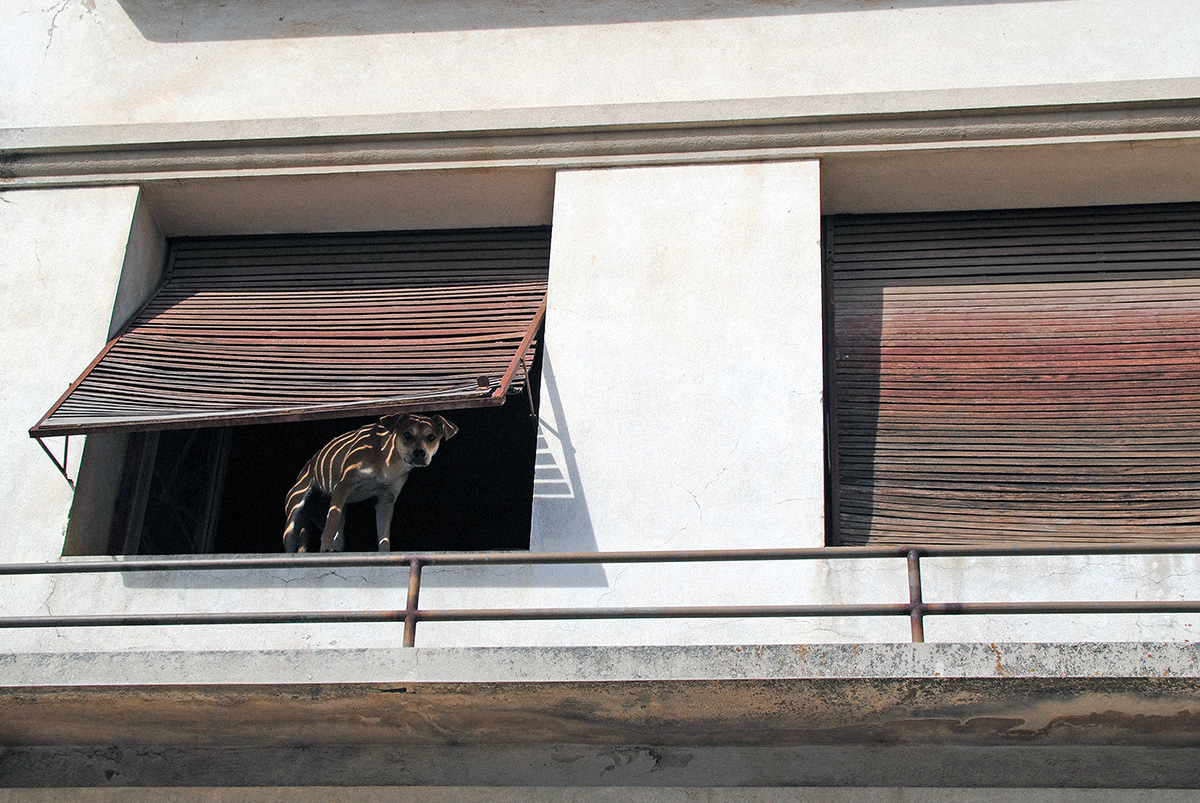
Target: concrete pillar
77	262
681	401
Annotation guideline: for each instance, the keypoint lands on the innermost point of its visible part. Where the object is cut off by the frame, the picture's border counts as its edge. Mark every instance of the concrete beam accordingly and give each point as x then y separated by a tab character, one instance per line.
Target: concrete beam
936	715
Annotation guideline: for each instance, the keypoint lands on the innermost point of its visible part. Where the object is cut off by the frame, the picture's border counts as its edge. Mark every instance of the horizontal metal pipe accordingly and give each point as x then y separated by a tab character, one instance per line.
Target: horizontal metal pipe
328	560
670	612
235	618
586	614
1082	607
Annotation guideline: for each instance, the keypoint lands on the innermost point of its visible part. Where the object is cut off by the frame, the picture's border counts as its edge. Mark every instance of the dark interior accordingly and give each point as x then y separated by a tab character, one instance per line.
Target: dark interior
476	493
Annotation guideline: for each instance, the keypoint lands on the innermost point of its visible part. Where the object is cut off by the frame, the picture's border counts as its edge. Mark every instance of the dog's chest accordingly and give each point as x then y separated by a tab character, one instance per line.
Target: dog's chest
384	474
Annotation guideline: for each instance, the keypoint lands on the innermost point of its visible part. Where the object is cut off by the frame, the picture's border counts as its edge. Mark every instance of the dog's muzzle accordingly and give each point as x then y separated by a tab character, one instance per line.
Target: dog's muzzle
419	458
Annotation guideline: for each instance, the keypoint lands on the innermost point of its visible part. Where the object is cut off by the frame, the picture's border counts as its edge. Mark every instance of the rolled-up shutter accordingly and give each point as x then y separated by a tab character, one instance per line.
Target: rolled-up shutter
281	328
1016	376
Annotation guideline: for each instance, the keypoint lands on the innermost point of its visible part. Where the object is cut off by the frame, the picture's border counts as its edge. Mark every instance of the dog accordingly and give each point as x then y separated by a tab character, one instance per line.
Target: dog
372	461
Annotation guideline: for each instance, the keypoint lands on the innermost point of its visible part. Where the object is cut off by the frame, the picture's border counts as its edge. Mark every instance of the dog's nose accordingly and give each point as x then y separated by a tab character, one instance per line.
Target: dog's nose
419	454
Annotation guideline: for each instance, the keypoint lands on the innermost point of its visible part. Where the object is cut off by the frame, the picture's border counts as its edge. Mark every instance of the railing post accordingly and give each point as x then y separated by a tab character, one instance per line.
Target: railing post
410	609
916	613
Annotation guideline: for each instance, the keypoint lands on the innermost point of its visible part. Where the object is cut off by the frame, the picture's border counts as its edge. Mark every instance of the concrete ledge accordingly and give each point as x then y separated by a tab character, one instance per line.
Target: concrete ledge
636	115
602	664
786	128
936	715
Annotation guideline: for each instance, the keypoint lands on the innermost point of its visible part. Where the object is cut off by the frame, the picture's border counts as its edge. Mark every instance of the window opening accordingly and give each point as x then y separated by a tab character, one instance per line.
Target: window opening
222	490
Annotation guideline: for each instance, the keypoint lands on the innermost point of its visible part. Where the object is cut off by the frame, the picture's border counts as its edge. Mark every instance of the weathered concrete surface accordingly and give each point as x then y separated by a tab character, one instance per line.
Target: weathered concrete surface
61	279
1160	712
977	715
67	63
564	794
600	664
902	715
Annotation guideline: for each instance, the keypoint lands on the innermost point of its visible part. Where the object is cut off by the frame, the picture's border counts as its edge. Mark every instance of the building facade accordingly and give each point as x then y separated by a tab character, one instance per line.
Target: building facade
821	276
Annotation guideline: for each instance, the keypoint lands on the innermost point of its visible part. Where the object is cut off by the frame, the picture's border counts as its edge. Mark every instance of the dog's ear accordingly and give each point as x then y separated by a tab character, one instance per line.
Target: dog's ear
394	421
448	429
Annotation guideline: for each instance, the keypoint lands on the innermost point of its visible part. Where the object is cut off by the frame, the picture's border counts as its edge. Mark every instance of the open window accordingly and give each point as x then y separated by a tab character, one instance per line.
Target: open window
1015	376
256	351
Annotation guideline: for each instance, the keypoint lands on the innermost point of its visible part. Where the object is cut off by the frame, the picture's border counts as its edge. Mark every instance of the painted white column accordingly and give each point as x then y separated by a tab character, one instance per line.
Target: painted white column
681	399
67	280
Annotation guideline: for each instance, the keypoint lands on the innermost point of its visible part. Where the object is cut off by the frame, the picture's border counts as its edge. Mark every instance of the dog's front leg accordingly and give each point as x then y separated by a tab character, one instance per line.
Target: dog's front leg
333	536
383	520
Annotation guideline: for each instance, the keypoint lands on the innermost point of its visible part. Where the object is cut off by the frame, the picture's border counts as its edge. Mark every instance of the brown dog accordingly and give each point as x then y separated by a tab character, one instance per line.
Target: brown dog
372	461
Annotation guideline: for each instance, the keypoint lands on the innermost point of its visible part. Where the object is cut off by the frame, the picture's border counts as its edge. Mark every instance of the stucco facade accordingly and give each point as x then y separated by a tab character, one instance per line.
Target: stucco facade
684	155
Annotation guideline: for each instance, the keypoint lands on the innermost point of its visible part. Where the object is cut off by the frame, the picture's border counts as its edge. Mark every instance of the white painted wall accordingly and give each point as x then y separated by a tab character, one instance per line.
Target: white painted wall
682	396
63	257
161	61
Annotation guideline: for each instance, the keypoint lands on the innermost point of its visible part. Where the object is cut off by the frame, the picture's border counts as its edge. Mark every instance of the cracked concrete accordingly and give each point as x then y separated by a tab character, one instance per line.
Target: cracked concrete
58	10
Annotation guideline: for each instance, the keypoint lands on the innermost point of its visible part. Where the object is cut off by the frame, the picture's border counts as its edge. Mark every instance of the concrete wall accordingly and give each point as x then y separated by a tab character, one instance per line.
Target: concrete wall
75	264
69	63
100	469
682	397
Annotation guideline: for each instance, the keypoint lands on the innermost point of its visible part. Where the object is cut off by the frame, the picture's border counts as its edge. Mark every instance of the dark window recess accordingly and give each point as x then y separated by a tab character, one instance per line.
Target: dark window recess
173	492
223	490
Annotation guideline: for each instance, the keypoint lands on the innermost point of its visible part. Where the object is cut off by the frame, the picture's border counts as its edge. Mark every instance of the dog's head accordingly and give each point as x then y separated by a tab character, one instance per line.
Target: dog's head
418	436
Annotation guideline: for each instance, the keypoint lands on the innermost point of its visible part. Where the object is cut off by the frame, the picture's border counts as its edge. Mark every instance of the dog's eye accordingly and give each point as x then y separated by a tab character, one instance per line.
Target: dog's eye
408	436
430	438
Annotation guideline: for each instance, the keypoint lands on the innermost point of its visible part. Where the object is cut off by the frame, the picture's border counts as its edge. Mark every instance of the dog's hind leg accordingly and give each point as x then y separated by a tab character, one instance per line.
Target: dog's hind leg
295	534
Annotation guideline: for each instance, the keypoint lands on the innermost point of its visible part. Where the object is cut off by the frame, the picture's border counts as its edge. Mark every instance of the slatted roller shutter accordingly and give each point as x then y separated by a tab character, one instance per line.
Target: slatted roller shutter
1017	376
280	328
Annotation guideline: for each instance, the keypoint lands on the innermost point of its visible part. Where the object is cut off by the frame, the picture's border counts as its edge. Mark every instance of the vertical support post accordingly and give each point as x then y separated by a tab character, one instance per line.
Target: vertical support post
410	609
916	612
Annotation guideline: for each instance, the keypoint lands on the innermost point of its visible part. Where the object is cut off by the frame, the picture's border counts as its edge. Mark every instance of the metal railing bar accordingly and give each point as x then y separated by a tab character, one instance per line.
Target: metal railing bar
1079	607
583	614
233	618
916	609
811	611
410	608
331	560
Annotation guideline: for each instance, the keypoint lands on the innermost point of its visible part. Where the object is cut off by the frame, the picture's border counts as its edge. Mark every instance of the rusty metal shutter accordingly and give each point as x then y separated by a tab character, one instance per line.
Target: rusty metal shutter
282	328
1016	376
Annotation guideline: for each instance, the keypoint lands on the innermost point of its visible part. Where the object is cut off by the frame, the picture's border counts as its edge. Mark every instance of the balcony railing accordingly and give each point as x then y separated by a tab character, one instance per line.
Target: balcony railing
915	609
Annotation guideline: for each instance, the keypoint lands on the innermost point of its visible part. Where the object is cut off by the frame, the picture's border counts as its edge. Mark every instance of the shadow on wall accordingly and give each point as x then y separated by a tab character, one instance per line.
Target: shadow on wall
220	20
561	520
